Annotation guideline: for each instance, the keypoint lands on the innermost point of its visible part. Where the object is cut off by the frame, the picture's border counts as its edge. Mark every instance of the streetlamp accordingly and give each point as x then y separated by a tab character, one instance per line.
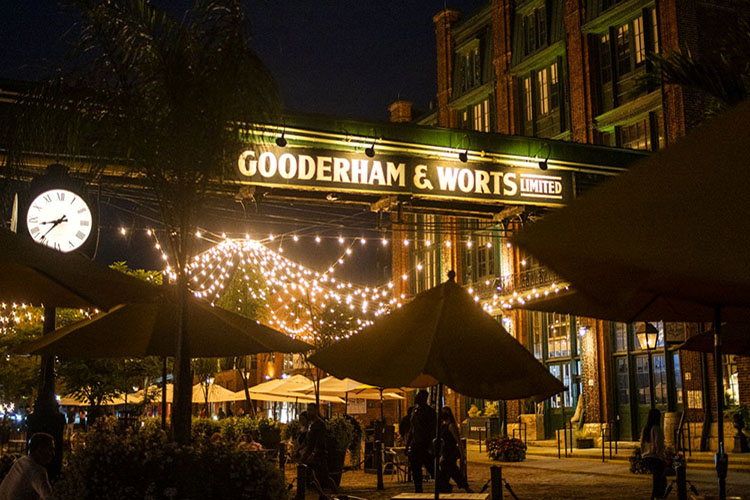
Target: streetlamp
648	335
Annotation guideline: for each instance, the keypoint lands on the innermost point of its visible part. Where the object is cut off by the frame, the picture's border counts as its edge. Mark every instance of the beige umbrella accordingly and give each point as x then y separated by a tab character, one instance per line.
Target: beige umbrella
289	388
673	227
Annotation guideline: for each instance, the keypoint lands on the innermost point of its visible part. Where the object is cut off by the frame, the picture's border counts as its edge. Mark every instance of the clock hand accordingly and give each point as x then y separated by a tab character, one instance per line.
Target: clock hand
64	218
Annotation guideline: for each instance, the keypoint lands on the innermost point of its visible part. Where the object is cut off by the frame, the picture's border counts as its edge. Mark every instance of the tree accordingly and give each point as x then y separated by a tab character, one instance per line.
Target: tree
722	74
168	95
204	369
247	301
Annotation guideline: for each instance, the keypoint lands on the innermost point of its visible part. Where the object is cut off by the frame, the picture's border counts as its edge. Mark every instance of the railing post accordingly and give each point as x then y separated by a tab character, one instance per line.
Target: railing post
602	433
301	481
558	443
496	478
565	438
681	483
379	463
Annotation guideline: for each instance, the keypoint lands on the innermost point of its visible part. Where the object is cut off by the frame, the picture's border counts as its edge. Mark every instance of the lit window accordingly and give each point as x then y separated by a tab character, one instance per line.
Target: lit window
529	98
655	27
543	92
640	42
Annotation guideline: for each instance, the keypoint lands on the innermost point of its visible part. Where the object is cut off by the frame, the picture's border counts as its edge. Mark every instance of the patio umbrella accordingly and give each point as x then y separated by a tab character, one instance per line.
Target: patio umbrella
441	337
33	273
671	227
735	339
138	330
290	388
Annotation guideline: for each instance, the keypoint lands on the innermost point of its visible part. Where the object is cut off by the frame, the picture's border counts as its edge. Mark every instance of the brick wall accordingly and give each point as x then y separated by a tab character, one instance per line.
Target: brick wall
399	257
401	111
502	17
578	73
443	23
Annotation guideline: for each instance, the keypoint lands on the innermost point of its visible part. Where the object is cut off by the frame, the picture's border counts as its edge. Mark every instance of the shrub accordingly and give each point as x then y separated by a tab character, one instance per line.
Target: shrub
506	449
203	428
342	432
474	412
142	464
492	409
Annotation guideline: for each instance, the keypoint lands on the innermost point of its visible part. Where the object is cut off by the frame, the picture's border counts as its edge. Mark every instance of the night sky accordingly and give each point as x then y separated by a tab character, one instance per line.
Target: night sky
347	58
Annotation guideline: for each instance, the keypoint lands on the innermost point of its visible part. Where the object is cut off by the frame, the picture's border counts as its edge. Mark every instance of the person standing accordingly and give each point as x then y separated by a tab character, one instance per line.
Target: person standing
451	452
315	454
420	438
28	479
652	452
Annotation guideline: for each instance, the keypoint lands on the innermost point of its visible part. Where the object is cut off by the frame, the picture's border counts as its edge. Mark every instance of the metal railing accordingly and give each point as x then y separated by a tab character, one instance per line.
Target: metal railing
680	436
527	279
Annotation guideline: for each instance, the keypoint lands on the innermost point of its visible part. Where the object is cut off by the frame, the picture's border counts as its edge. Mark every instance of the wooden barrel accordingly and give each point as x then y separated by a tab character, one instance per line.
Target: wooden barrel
671	423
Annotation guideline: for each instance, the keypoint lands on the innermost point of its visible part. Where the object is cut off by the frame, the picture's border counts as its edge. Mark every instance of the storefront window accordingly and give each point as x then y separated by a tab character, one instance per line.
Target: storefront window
562	373
731	381
677	377
536	332
558	335
623	382
641	380
660	379
621	337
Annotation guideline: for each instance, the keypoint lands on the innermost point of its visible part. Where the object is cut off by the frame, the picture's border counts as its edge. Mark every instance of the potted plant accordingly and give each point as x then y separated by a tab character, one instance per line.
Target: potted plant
740	416
483	424
506	449
340	434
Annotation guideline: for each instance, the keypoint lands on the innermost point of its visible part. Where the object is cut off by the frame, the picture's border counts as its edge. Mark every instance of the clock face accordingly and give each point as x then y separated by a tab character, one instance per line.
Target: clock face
59	219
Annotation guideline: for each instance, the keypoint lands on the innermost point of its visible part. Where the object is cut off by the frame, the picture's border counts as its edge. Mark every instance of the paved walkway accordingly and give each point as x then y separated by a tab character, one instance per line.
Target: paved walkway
542	477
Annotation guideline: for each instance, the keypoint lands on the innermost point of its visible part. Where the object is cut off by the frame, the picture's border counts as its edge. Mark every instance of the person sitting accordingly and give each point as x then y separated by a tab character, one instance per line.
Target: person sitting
28	479
249	443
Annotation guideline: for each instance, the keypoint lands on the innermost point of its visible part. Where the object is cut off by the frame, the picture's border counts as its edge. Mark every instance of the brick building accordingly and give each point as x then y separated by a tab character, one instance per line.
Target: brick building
570	70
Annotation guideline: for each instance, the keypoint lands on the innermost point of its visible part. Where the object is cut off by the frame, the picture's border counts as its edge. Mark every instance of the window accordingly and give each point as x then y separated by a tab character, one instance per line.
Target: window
731	381
469	69
623	50
677	377
536	333
554	94
623	381
528	98
562	373
621	337
660	379
481	116
558	335
655	31
543	92
640	42
641	378
635	136
535	30
605	60
425	264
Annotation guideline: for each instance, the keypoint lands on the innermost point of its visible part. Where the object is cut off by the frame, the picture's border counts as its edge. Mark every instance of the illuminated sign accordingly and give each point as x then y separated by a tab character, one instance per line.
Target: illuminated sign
329	170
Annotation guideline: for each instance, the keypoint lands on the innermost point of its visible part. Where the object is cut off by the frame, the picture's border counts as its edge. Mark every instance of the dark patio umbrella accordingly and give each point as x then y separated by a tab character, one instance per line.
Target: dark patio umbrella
672	227
735	339
137	330
441	337
32	273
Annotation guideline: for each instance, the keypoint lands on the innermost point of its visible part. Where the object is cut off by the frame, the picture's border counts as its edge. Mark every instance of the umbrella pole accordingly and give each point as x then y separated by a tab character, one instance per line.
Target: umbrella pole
346	403
722	461
439	406
163	393
382	412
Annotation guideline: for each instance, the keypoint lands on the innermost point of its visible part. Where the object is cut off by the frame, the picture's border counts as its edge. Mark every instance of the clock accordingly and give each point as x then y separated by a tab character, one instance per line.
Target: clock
59	219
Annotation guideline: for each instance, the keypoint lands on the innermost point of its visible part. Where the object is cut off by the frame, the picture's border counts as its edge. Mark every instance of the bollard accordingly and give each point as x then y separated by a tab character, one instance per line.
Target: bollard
558	443
602	444
301	481
465	446
379	463
496	478
282	455
681	483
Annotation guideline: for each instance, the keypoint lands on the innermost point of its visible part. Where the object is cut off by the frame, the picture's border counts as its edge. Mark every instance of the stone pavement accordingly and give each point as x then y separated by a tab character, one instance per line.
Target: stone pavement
541	477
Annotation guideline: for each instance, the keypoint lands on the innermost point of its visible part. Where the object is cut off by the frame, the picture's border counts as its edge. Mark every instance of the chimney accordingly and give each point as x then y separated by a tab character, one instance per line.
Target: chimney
400	111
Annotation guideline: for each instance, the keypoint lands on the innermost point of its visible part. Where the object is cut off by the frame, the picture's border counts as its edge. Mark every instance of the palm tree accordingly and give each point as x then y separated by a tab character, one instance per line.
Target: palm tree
168	96
722	75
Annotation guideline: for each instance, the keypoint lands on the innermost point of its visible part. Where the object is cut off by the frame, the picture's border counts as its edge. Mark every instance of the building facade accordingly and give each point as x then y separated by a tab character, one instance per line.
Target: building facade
570	70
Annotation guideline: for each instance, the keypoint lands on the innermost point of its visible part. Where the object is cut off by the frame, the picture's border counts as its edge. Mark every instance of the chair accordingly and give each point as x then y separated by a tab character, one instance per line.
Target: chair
399	464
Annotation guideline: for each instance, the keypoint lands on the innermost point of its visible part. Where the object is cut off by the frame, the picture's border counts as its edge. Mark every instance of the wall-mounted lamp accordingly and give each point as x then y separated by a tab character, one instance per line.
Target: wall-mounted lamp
543	162
464	156
370	152
281	141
